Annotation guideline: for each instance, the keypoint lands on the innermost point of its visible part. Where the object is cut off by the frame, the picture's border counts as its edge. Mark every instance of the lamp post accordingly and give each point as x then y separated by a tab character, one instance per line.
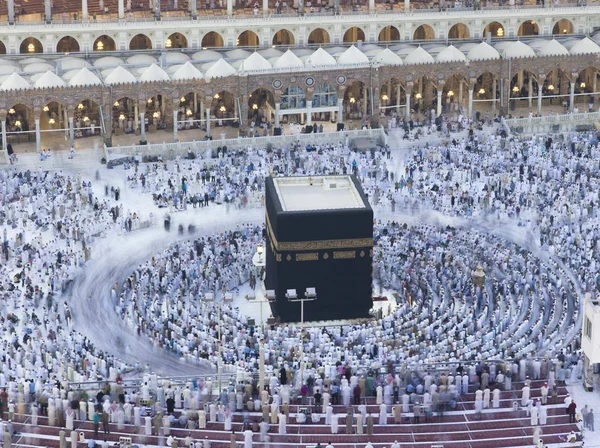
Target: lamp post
309	296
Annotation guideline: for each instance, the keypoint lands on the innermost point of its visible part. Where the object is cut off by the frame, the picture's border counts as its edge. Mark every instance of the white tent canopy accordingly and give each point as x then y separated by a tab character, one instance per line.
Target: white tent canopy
154	73
451	54
119	76
15	82
418	56
353	56
518	50
187	71
49	80
254	62
387	57
320	58
585	46
483	52
288	60
220	69
84	77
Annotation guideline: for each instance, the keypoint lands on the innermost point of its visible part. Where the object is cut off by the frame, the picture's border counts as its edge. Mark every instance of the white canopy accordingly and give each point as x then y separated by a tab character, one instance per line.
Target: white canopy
255	62
518	50
187	71
141	59
450	54
585	46
220	69
49	80
206	55
387	57
15	82
37	67
288	60
418	56
553	48
154	73
119	76
483	52
177	58
108	61
84	77
8	69
320	58
353	56
70	63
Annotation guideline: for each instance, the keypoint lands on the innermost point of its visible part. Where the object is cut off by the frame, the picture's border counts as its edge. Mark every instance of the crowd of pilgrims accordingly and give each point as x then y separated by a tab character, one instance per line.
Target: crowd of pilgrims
50	221
429	267
547	187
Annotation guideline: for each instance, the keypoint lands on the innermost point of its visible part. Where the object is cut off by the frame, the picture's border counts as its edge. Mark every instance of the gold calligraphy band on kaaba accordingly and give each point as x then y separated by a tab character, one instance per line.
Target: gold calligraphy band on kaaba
285	246
308	256
344	254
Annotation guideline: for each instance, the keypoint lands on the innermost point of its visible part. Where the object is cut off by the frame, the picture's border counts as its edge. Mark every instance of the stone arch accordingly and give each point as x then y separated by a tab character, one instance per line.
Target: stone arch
586	85
2	48
318	36
424	32
459	31
31	45
86	119
212	39
140	42
353	35
563	26
496	29
104	43
356	101
222	105
19	120
528	28
190	114
388	34
261	106
124	119
392	95
52	116
248	38
454	85
283	37
67	44
176	40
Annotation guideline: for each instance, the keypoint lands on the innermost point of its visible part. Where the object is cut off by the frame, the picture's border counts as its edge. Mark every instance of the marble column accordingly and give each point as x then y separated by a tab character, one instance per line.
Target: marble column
398	100
407	110
193	8
143	127
84	10
174	123
11	11
208	121
277	106
72	131
439	103
4	141
340	111
229	8
572	97
470	110
308	112
494	95
38	137
530	92
121	9
539	102
48	10
371	6
406	5
265	4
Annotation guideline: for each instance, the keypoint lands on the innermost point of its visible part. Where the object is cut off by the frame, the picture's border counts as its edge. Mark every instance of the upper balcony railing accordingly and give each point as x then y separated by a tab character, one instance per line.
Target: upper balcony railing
64	12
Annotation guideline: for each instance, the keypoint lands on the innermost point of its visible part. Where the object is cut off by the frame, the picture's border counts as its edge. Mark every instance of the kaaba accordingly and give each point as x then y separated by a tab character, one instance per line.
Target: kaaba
319	235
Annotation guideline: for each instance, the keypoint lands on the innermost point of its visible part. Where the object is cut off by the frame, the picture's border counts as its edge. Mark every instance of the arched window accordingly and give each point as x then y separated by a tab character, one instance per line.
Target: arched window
293	98
325	96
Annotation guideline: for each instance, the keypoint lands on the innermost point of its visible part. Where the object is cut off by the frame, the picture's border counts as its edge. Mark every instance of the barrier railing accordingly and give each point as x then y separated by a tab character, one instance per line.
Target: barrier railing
172	150
565	121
